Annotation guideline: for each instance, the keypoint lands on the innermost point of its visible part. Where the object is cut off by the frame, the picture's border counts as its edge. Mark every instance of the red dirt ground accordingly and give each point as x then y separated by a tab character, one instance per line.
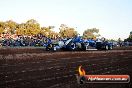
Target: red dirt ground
36	68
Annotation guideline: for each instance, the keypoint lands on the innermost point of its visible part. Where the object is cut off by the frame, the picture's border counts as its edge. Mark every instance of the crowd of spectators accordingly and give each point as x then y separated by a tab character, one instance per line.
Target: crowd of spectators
21	41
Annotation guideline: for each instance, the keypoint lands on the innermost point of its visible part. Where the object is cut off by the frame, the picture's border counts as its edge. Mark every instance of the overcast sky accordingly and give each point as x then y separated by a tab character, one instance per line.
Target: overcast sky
112	17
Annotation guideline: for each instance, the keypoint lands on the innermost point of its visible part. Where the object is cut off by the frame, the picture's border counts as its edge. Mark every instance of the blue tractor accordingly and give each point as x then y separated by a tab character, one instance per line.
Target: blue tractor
77	43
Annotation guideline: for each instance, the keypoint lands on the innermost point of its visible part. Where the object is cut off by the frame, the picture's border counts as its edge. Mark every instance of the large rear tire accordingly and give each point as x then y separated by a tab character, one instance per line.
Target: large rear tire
106	47
49	47
85	46
110	47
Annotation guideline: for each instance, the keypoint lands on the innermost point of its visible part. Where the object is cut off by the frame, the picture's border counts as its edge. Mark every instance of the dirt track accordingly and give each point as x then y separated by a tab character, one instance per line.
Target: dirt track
31	68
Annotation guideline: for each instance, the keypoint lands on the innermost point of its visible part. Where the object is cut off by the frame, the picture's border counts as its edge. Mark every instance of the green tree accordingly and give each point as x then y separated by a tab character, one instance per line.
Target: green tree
32	27
47	31
66	31
21	29
130	36
10	26
91	33
129	39
2	27
111	40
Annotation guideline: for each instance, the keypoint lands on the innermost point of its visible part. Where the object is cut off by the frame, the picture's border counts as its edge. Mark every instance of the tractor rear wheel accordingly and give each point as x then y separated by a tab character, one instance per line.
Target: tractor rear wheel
106	47
110	47
72	46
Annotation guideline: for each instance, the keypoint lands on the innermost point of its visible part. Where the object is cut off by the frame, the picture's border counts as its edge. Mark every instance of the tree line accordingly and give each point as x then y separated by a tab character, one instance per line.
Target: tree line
129	39
32	27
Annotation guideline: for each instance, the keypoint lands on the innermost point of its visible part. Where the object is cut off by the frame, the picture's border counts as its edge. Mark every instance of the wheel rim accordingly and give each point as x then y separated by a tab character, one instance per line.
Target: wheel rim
72	46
